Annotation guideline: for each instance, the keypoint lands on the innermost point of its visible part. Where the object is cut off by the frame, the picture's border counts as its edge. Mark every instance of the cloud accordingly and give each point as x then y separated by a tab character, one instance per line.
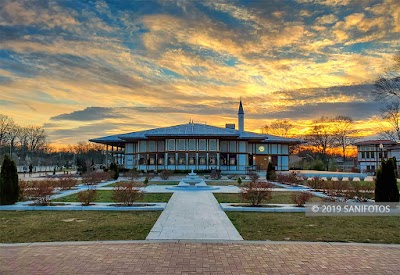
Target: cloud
88	114
164	62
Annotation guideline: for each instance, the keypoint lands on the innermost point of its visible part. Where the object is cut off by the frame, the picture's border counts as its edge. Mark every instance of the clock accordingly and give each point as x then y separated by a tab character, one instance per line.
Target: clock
261	148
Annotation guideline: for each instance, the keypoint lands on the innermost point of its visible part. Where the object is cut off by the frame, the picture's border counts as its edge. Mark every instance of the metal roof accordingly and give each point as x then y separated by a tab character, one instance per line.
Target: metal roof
194	130
376	142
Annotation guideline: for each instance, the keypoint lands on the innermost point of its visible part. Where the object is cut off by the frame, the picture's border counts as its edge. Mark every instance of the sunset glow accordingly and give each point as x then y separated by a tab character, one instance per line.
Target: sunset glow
85	69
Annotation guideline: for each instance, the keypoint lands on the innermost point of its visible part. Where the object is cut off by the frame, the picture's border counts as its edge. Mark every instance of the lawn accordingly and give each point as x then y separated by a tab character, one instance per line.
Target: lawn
141	184
105	196
277	197
50	226
298	227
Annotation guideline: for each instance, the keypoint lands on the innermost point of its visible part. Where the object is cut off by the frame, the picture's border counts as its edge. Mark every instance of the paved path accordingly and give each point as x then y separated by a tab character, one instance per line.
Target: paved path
200	258
193	216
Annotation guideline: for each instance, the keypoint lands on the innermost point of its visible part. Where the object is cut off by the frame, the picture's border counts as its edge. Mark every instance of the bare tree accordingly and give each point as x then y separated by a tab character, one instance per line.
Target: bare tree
13	137
388	85
391	113
321	137
36	138
279	128
6	123
343	131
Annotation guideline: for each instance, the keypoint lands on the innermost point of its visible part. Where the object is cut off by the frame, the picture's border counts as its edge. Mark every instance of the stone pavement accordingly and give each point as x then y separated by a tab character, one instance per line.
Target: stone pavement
198	258
193	216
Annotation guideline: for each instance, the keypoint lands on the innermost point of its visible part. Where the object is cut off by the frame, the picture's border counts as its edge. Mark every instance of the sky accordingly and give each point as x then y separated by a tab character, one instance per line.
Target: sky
86	69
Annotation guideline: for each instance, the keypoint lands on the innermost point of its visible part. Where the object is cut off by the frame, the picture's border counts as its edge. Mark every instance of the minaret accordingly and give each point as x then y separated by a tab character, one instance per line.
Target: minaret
241	117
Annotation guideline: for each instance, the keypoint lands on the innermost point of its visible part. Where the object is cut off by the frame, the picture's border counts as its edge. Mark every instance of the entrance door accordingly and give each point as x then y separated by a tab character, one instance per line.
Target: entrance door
262	162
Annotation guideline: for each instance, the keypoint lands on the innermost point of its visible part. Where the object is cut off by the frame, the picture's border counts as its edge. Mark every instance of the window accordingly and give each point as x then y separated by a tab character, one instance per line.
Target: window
212	159
142	159
161	146
202	145
232	146
212	146
152	159
363	155
181	145
202	159
192	159
223	159
181	158
152	146
171	145
171	160
372	154
192	144
224	146
232	159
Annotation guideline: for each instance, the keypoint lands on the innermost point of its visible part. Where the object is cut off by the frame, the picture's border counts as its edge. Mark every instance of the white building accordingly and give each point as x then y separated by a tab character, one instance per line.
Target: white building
371	152
199	147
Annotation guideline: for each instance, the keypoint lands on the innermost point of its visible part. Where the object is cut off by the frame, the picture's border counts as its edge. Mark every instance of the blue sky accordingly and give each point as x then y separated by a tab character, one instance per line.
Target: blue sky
91	68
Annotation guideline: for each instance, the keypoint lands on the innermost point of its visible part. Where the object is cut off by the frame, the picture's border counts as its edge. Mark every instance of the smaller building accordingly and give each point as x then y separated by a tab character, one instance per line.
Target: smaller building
370	153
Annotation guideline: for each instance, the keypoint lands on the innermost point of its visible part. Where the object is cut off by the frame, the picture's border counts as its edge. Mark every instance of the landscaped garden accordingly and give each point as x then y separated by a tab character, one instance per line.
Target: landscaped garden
276	197
298	227
106	196
51	226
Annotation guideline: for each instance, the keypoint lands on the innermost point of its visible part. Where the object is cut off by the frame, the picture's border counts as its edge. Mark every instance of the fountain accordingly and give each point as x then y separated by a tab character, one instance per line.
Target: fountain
192	182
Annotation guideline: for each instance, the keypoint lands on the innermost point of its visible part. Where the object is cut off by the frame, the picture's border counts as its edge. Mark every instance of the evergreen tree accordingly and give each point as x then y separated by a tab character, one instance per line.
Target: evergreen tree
114	171
386	189
9	188
271	174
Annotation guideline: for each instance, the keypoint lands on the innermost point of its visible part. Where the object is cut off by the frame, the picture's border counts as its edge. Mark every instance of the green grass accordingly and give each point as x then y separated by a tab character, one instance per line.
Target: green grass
51	226
141	184
298	227
277	197
105	196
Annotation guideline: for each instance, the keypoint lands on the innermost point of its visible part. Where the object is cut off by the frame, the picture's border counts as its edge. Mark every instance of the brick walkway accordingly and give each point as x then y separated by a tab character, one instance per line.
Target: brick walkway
204	258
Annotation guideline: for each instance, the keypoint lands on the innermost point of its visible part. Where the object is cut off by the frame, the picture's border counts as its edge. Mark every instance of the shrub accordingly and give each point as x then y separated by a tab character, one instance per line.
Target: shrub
315	182
339	187
254	176
41	191
126	193
215	174
66	182
271	174
114	171
165	174
386	189
293	178
256	192
133	174
9	188
146	181
300	198
150	175
239	180
87	197
24	185
318	165
93	178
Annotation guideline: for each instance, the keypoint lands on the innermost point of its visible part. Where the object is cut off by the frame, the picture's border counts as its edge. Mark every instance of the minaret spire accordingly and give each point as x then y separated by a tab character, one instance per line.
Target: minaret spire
241	116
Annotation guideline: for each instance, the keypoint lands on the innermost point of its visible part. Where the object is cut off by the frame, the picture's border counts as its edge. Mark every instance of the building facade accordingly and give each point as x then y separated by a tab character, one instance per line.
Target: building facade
199	147
370	153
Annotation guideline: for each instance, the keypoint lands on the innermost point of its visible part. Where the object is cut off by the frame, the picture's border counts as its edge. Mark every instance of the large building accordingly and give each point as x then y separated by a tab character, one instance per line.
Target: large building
199	147
372	152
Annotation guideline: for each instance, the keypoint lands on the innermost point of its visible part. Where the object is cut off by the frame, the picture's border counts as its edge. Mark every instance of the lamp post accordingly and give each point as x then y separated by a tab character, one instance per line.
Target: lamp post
381	148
